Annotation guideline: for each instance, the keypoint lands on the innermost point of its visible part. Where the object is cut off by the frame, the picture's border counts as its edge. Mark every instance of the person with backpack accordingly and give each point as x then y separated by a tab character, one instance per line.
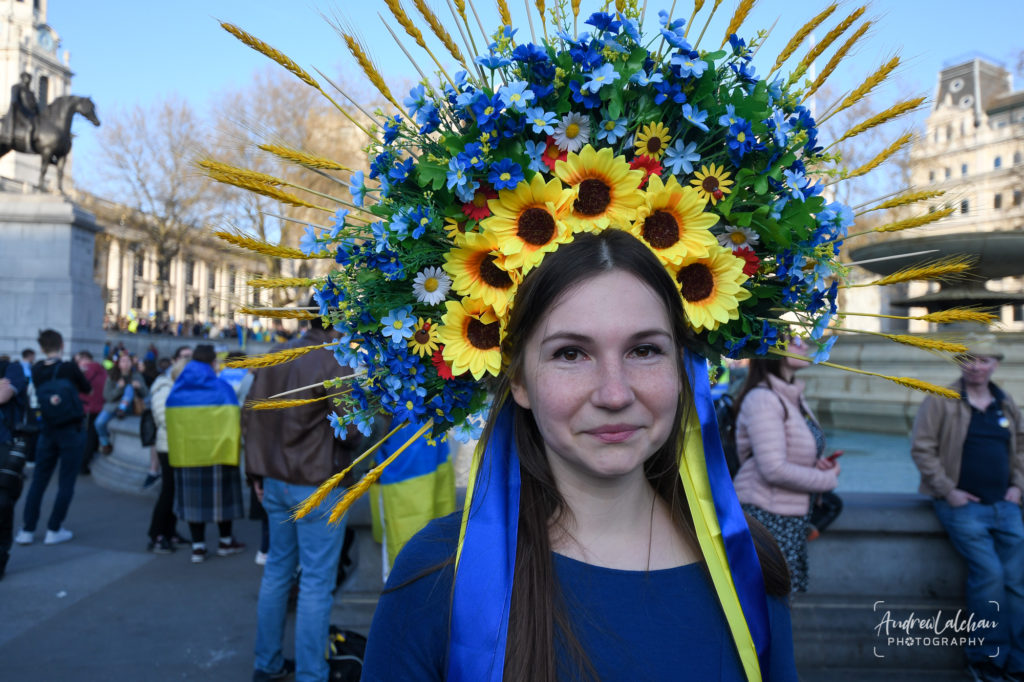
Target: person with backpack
61	438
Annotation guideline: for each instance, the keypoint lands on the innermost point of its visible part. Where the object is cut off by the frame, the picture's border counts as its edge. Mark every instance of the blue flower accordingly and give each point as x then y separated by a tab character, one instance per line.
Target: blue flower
745	71
429	118
364	422
733	348
398	324
695	116
466	192
417	98
486	108
400	172
588	101
769	337
603	21
631	27
668	90
473	156
529	53
600	78
741	138
339	220
357	187
673	32
409	406
309	244
542	121
391	128
470	429
824	349
505	174
456	172
493	61
796	181
380	164
611	130
419	218
689	64
739	48
780	127
729	117
680	157
340	430
515	95
642	79
535	150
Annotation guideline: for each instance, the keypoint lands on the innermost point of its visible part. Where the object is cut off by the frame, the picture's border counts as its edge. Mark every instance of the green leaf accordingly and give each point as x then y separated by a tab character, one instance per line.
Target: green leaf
761	184
430	174
615	103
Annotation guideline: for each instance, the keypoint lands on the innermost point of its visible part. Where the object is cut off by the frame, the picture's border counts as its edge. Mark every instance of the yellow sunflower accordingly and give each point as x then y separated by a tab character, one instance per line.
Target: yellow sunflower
455	229
653	139
606	189
471	333
478	270
712	183
672	222
527	221
423	341
711	289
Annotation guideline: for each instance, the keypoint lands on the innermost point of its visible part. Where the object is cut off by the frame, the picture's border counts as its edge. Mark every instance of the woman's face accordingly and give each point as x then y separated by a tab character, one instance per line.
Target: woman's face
124	363
601	375
800	347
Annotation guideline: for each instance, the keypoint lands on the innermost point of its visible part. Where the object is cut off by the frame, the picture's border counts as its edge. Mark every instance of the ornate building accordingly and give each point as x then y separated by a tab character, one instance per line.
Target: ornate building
973	148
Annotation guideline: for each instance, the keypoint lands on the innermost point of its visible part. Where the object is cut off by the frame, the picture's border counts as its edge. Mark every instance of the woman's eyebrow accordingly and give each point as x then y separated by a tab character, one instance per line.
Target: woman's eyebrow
583	338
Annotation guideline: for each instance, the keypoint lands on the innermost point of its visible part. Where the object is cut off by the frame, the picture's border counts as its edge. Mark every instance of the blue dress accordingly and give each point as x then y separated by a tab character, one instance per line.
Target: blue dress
634	625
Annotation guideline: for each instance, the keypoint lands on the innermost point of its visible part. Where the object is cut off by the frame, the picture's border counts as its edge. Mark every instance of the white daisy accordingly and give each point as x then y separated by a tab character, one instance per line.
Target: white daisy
573	132
736	237
431	285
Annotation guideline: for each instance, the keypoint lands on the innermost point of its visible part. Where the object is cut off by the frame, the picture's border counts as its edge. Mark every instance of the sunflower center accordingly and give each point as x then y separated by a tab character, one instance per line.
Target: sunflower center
710	184
430	285
535	226
572	130
661	230
737	237
481	335
492	275
593	198
422	336
480	199
696	282
654	144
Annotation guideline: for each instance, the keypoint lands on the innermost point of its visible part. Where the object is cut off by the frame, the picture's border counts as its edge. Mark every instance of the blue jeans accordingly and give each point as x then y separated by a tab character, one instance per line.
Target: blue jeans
991	538
64	445
314	545
104	417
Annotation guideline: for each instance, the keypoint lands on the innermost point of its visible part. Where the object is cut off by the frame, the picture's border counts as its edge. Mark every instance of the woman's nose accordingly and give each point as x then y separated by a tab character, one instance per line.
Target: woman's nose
614	390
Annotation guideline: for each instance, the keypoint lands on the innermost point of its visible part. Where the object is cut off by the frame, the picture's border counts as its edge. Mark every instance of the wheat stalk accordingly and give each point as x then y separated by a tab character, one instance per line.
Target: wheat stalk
943	268
265	49
369	68
264	189
738	17
825	43
898	144
371	477
907	382
833	63
212	167
439	30
889	114
276	358
261	247
406	23
916	221
906	199
869	84
926	343
303	158
280	282
506	16
285	404
799	37
950	316
282	313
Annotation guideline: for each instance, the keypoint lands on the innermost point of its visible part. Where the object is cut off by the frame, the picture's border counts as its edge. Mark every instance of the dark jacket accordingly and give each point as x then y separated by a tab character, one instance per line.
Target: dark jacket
297	445
97	377
42	372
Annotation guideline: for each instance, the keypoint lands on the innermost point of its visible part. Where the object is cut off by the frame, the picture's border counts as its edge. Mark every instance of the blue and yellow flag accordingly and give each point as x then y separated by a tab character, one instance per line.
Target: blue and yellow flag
203	419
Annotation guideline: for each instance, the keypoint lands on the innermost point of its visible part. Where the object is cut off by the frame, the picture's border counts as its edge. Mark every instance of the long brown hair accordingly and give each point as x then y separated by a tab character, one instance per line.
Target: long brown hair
538	617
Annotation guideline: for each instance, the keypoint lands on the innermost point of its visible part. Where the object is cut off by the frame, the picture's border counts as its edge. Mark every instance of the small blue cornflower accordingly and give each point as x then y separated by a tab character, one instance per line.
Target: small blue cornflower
611	130
673	31
535	150
603	21
741	138
642	79
391	128
357	186
309	243
824	349
631	27
466	192
486	108
339	220
695	116
493	61
505	174
680	157
689	64
473	156
796	181
600	77
419	219
400	172
780	126
398	325
516	95
456	172
340	430
416	100
769	337
590	101
542	121
729	117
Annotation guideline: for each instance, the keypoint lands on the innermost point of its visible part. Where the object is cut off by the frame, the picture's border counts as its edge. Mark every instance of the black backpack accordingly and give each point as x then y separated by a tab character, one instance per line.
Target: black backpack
725	414
59	403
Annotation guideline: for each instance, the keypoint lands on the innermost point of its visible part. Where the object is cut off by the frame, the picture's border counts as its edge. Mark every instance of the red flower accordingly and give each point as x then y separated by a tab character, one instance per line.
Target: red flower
747	254
443	370
552	154
649	164
477	208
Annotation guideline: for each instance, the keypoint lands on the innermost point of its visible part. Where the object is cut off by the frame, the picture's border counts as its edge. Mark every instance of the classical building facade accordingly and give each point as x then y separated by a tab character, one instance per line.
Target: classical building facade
973	149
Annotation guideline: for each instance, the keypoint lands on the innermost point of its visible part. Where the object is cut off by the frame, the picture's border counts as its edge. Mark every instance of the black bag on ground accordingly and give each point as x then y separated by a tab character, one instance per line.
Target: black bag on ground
58	399
725	414
345	652
147	428
825	508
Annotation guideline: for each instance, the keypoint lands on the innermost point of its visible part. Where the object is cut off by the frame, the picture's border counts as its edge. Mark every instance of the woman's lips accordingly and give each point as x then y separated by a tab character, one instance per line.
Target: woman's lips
614	433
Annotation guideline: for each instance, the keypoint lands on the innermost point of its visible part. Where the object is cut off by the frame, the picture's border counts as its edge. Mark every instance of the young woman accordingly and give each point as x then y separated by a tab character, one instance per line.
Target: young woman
608	581
124	383
780	446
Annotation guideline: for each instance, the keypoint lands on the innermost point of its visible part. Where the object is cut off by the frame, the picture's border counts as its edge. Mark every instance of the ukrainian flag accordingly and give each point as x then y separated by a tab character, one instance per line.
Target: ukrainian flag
203	419
416	488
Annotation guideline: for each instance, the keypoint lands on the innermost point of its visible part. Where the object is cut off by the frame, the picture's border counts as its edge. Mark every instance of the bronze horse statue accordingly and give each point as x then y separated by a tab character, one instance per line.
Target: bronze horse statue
51	136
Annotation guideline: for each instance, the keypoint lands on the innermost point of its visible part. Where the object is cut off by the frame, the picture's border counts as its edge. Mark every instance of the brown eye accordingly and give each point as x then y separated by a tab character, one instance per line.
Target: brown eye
570	354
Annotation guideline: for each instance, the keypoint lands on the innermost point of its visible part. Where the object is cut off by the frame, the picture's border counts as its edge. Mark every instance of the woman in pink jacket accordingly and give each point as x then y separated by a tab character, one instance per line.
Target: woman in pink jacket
780	446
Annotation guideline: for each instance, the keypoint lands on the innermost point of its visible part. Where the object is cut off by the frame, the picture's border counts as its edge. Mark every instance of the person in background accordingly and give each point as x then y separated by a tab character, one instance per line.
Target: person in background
61	439
288	454
92	402
163	524
970	453
124	383
780	446
203	435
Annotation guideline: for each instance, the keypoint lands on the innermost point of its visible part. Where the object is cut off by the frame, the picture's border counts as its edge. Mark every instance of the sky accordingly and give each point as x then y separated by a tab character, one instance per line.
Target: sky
126	53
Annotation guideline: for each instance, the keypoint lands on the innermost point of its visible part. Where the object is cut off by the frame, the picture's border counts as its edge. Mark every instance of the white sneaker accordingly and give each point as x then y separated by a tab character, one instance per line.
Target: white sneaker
261	558
24	537
54	537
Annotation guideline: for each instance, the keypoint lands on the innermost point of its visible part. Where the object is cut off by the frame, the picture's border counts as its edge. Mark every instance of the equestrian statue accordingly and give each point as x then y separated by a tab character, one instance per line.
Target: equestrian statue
45	131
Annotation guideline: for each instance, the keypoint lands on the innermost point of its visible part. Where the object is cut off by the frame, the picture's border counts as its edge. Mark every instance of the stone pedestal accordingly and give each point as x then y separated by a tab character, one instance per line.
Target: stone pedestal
46	273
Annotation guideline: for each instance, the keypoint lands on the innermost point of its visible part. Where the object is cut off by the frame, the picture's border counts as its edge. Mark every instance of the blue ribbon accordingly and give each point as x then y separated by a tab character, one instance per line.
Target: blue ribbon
483	580
739	546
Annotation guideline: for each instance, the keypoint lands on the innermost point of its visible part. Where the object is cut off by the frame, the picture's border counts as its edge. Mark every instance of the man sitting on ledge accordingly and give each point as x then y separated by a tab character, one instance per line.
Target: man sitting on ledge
971	456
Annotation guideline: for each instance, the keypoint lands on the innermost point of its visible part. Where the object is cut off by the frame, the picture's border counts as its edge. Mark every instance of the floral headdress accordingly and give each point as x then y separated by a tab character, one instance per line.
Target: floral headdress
602	121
